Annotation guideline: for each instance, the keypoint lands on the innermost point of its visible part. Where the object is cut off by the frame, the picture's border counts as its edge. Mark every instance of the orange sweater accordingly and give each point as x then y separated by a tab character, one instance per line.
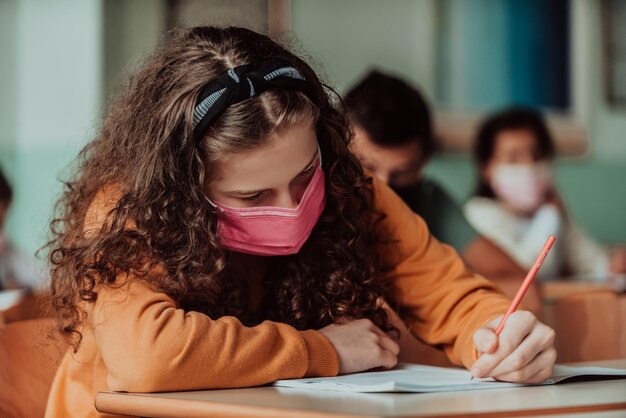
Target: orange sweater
139	340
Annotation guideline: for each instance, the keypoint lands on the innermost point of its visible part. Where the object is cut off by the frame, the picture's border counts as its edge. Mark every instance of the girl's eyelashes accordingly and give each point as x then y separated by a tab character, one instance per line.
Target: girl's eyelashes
306	172
252	198
257	196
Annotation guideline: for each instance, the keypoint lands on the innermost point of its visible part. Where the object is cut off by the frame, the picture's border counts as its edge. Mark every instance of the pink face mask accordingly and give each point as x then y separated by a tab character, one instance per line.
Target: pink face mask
524	187
268	230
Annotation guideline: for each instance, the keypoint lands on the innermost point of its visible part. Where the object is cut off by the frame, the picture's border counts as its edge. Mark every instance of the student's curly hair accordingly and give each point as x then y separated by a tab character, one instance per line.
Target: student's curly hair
162	185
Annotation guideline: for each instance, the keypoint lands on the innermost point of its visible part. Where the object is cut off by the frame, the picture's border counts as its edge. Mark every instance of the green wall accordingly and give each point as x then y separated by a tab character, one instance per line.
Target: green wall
349	36
8	75
50	102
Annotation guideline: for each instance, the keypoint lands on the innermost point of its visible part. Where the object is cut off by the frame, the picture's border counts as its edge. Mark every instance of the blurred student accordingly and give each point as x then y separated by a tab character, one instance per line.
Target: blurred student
16	269
517	205
394	141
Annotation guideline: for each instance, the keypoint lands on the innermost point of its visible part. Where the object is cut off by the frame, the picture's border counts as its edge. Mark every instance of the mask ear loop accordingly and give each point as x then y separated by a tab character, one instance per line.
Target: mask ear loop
213	204
319	153
215	207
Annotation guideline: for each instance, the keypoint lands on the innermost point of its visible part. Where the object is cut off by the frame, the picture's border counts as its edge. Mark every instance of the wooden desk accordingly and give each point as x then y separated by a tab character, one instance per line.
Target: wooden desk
564	399
589	320
554	291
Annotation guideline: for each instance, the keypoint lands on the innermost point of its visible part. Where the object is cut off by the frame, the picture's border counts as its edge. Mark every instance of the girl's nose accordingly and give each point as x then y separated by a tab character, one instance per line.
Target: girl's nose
287	200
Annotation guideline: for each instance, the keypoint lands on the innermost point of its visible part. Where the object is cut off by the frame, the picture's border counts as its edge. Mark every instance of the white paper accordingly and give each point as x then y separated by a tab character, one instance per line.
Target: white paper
422	379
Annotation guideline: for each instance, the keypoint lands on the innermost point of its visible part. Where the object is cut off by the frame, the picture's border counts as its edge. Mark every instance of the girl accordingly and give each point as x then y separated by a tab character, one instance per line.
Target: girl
517	206
220	234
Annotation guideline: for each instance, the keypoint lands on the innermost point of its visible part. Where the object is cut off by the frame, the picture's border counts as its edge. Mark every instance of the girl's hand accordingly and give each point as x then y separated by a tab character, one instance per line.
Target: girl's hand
361	345
523	353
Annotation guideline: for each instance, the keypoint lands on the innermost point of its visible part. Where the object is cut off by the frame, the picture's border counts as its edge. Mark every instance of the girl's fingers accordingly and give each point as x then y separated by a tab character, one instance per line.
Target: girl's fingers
389	349
540	338
388	359
517	327
386	342
395	320
541	376
390	345
485	340
537	371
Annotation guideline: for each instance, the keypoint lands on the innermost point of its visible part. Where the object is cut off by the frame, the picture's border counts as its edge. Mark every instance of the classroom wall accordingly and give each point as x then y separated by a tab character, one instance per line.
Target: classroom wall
8	72
126	43
592	185
50	102
60	62
345	55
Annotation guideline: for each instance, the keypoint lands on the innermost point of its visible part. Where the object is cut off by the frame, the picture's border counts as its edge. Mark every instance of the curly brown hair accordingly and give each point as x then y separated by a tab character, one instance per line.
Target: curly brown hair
162	183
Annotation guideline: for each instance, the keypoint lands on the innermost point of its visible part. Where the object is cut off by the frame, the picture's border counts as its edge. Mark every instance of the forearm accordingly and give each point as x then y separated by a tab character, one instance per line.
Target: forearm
148	344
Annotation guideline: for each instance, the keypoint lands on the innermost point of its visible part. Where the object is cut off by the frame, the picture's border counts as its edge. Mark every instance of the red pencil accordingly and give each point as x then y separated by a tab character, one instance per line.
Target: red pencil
527	281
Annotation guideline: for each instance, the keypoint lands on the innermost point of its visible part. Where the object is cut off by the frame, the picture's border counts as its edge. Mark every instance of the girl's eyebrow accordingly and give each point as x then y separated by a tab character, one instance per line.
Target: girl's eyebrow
253	192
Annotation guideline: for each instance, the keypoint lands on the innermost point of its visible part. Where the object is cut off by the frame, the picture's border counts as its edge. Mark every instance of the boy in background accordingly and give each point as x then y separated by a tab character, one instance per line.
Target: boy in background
394	141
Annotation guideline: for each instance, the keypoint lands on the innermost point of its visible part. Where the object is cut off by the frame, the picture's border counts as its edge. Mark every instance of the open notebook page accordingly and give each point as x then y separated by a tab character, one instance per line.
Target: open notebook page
419	378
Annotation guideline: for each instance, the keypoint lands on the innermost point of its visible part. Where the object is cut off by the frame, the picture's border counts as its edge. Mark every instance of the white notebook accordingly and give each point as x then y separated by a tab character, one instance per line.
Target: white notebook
418	378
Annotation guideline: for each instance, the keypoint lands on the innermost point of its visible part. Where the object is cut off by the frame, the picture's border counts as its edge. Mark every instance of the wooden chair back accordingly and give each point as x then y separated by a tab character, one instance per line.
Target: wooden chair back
29	359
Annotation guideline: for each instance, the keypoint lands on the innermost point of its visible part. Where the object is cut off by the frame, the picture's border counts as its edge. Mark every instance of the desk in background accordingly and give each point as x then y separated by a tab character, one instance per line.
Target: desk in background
589	317
607	396
589	320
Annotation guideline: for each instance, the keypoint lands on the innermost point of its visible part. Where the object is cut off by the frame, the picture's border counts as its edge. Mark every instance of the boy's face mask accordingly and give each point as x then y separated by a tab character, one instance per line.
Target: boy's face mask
269	230
522	186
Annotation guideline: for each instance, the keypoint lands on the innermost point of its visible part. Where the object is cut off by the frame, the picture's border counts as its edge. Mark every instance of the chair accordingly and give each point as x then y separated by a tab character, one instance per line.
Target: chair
28	361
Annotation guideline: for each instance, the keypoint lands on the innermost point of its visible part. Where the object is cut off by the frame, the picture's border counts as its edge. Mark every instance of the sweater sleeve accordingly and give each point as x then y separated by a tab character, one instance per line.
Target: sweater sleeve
447	303
149	344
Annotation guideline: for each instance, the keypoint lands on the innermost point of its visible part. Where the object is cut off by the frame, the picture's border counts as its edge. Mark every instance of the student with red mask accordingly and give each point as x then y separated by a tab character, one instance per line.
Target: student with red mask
219	233
516	203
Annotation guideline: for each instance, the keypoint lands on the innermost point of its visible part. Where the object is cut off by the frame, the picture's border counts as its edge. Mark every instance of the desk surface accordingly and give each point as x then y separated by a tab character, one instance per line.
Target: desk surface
552	291
568	398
